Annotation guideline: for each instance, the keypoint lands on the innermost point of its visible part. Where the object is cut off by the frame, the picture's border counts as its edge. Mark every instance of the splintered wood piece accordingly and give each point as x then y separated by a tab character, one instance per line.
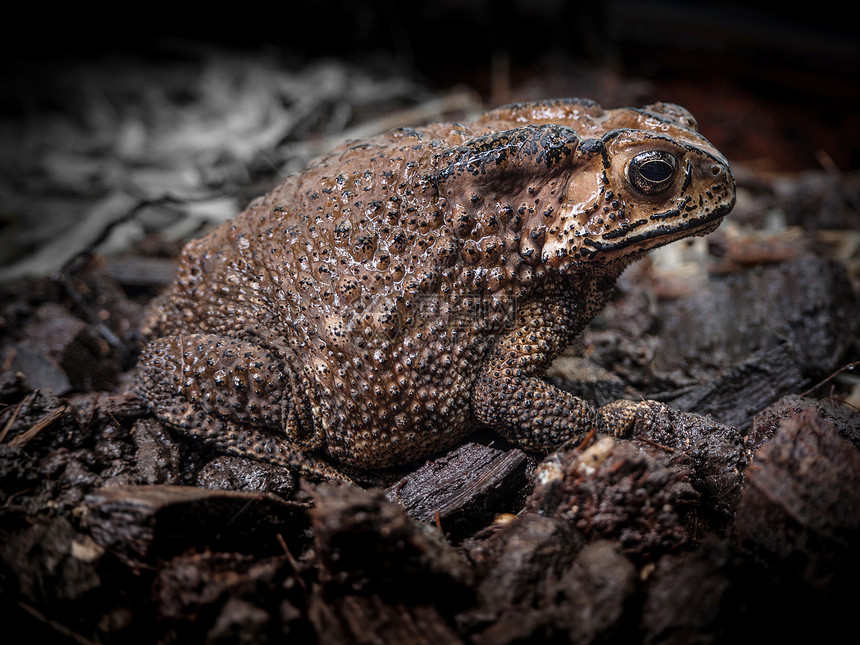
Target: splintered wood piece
735	397
465	489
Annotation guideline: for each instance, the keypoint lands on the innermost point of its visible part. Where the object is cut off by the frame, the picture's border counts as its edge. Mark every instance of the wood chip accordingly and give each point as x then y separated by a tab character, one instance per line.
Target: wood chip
465	489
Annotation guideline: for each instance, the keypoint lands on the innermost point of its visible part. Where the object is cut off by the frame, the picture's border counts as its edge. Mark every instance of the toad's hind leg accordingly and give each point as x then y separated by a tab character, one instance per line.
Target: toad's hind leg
234	395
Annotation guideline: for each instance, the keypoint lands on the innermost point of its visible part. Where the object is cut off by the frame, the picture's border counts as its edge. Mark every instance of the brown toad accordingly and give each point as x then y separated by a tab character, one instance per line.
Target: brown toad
377	307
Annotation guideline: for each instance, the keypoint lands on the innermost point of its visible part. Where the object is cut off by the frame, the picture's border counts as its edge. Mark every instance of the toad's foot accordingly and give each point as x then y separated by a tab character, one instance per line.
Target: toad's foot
624	418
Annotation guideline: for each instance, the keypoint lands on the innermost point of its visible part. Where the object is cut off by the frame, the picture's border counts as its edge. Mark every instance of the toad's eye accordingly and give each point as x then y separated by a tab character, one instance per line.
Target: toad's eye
652	172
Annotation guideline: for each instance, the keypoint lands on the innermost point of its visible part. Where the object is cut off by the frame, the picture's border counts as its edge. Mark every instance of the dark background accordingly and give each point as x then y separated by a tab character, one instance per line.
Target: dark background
774	80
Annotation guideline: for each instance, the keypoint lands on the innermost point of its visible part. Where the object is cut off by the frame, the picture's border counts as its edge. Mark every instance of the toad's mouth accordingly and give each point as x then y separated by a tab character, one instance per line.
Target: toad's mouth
654	235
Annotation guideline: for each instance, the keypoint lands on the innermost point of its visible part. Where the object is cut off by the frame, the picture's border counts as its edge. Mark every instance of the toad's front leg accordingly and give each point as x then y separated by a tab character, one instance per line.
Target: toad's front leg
237	396
511	396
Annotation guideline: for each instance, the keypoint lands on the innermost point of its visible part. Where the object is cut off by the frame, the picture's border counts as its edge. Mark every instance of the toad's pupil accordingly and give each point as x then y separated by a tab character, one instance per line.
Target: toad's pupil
656	171
652	172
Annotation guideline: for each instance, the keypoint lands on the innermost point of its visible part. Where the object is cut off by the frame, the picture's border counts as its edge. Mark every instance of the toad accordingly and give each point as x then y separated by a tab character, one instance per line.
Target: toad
404	290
